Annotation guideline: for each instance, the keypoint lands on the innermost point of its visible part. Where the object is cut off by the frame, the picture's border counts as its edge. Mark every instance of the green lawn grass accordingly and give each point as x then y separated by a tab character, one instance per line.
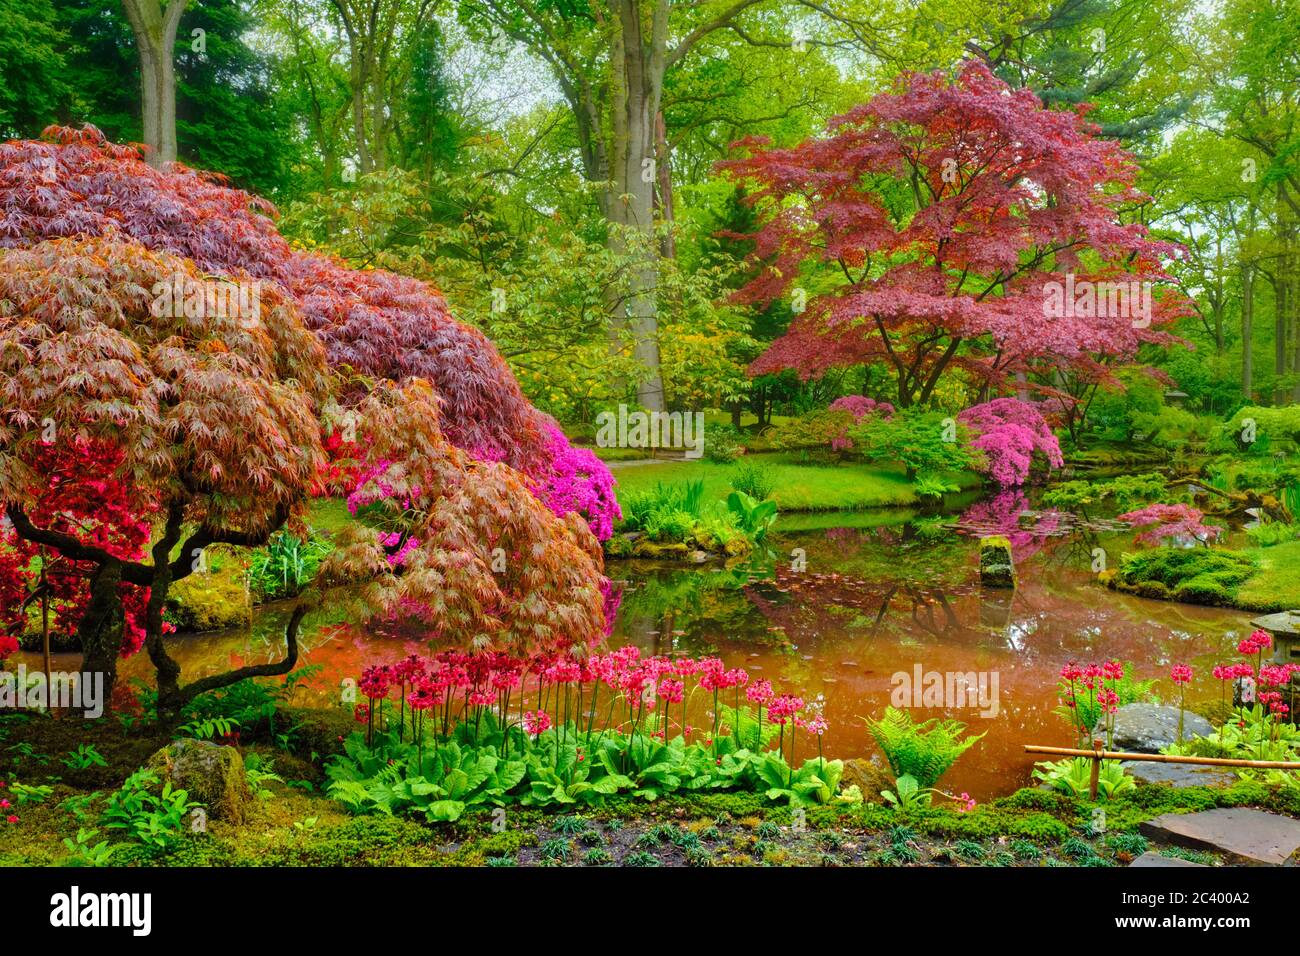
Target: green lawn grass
1276	585
798	486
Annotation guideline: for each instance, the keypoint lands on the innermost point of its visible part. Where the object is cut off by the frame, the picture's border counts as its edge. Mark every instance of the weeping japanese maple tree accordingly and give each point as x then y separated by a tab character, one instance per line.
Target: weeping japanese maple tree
927	229
372	323
213	423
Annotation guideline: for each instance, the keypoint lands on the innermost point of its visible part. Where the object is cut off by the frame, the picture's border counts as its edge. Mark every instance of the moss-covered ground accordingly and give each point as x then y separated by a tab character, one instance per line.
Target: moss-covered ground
1252	579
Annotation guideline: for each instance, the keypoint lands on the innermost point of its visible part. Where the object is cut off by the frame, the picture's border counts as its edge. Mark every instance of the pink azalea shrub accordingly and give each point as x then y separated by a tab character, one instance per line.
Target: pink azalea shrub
578	481
859	406
1009	432
1163	522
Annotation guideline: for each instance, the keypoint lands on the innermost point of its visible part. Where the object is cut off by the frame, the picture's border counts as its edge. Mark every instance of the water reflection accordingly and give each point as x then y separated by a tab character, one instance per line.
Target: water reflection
837	606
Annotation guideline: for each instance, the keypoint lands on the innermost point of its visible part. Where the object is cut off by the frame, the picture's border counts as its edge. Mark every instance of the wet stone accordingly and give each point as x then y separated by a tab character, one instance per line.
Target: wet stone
1245	836
1178	774
1152	858
1149	728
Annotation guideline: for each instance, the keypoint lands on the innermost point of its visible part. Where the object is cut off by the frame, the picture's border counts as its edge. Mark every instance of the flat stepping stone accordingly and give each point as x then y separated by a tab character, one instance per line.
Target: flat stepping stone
1152	858
1178	774
1245	836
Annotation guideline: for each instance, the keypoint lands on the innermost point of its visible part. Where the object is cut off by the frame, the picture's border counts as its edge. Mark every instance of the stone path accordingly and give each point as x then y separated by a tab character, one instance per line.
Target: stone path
1244	836
1152	858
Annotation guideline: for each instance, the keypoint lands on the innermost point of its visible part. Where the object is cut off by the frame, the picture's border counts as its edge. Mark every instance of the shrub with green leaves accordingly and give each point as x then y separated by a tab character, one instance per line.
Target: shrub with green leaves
923	751
148	813
930	445
755	479
1195	575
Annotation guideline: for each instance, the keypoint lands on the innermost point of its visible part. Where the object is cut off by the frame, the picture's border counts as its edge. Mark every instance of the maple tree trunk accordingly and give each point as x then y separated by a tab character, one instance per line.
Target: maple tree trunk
154	27
102	625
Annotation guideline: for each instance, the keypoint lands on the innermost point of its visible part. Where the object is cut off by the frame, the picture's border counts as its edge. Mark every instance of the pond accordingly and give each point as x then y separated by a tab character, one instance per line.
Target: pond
838	607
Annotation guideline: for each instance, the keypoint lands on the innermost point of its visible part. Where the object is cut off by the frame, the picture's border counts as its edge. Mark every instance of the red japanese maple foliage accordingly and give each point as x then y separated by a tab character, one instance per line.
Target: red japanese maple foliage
936	219
215	423
377	324
80	497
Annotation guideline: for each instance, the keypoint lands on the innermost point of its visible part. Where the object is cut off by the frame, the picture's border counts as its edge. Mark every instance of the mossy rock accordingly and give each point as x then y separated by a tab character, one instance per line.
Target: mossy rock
1209	576
618	546
997	567
212	774
662	550
211	600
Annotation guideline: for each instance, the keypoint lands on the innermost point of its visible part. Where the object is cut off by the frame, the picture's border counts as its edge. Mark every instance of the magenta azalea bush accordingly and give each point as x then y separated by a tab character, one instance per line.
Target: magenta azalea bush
578	481
1163	522
859	406
1008	433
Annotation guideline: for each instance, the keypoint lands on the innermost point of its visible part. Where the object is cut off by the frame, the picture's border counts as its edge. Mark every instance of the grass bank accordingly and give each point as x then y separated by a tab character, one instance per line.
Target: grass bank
798	485
1250	579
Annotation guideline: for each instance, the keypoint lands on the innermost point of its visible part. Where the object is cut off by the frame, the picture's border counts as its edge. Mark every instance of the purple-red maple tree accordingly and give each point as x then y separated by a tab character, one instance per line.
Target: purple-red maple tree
932	225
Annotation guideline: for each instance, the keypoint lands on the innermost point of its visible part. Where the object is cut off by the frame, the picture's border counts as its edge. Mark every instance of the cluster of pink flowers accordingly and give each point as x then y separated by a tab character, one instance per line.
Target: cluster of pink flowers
1256	643
1091	683
8	647
858	406
5	805
463	686
1163	522
1266	679
1181	674
1009	432
578	481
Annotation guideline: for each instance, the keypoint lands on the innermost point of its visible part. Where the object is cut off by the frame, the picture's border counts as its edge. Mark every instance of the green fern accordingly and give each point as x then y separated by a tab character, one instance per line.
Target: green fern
923	751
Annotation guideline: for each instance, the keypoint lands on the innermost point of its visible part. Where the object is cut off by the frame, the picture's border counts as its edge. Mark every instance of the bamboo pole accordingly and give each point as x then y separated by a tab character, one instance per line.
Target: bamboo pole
1164	758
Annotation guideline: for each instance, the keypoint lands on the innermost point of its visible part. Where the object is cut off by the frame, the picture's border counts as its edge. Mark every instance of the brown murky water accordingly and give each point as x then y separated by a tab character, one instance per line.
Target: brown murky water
843	604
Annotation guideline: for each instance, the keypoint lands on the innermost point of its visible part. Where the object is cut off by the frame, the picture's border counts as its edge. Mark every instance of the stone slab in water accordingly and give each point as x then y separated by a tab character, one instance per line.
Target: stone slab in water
1178	774
1149	728
1245	836
1152	858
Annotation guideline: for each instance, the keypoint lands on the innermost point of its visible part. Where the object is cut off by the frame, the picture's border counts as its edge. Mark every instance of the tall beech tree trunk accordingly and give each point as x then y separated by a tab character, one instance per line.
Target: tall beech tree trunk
155	26
639	63
1247	330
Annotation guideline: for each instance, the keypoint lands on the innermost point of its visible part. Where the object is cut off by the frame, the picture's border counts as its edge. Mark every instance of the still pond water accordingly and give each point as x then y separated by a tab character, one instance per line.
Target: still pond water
840	605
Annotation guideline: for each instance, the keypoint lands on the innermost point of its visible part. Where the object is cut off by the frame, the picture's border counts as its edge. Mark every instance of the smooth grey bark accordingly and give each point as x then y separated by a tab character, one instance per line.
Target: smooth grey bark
154	26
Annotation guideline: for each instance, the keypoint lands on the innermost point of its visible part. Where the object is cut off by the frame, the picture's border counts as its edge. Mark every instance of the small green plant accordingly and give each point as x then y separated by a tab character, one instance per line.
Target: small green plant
569	825
286	565
207	728
922	751
259	771
79	806
30	793
598	857
1072	776
155	819
754	518
306	824
907	794
754	479
640	858
84	757
556	849
81	852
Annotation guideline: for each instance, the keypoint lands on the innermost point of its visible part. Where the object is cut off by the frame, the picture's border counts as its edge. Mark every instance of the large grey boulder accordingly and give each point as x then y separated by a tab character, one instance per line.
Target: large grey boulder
1149	728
